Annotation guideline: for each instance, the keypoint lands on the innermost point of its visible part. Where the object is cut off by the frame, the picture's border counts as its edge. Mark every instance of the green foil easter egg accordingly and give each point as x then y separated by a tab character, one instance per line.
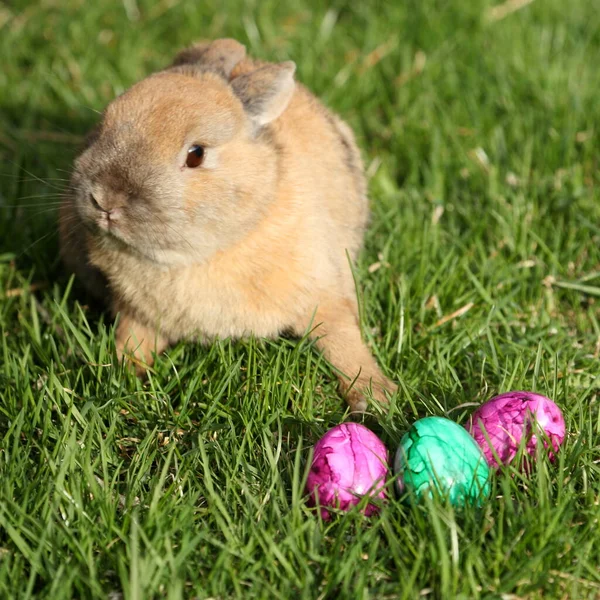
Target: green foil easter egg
437	454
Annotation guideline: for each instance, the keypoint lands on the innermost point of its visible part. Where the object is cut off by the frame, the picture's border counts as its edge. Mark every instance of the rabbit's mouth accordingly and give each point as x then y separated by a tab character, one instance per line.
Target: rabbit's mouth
111	230
108	221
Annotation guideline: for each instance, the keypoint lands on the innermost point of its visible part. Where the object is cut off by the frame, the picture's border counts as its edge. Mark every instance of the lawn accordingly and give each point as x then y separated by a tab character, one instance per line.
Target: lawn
481	273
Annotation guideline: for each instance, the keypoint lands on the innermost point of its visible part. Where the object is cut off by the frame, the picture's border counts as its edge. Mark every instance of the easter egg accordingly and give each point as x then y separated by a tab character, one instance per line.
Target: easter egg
500	425
438	456
349	462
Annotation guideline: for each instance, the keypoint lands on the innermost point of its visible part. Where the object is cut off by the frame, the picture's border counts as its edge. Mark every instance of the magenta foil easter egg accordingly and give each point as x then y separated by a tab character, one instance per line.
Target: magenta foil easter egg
499	425
349	462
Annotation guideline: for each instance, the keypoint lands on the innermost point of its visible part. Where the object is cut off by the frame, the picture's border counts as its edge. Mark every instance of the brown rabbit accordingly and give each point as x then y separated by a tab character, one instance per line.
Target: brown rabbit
218	198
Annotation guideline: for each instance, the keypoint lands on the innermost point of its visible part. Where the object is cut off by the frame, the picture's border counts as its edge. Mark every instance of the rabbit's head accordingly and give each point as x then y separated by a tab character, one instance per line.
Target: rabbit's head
182	164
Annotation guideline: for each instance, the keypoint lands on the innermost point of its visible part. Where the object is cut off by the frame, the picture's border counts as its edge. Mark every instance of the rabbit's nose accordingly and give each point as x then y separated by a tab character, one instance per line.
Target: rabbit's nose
114	214
108	218
109	214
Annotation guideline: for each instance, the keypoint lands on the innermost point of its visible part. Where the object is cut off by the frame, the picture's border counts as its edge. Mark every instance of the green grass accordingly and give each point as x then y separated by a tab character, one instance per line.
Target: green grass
481	139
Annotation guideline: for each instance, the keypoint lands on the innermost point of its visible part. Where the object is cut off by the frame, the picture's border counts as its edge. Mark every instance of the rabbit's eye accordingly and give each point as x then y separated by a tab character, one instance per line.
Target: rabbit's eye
195	157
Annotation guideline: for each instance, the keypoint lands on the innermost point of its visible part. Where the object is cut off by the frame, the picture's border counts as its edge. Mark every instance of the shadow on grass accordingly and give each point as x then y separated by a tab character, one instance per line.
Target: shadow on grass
37	149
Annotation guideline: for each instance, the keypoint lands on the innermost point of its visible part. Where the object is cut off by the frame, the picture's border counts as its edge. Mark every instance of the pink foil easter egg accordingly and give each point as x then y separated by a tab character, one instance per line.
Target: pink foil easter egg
349	462
499	425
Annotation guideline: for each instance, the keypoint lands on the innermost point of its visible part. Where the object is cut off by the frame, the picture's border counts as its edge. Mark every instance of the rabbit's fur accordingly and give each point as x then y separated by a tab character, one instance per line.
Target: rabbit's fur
255	240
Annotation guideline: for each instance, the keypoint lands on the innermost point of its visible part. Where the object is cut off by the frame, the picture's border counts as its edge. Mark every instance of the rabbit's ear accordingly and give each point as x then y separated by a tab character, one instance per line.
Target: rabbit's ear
266	92
219	56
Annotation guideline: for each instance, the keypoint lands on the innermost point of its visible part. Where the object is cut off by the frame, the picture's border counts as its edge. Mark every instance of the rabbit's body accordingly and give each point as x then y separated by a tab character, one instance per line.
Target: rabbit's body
245	289
256	240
